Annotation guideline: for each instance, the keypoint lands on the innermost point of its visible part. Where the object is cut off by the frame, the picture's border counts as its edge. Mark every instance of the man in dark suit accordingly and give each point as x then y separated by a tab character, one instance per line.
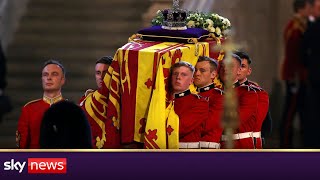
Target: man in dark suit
310	52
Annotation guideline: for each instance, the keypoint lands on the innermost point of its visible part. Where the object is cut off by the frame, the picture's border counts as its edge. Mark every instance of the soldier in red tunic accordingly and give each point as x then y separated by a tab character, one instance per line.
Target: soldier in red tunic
293	71
191	108
263	97
205	72
53	78
101	68
247	107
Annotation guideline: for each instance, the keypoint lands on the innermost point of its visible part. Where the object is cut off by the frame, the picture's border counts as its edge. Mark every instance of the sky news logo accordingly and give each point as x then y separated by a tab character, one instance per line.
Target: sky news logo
38	165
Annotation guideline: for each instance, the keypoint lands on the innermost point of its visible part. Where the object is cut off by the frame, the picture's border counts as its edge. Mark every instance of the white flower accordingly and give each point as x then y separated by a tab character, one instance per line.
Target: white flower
218	31
216	16
209	21
226	22
211	29
191	24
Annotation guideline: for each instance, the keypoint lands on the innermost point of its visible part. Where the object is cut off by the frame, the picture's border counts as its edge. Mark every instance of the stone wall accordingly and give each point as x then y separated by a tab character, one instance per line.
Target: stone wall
258	27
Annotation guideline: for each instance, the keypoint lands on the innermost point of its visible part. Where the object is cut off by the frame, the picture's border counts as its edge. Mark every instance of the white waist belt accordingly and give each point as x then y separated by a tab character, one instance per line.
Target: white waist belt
189	145
238	136
209	145
256	134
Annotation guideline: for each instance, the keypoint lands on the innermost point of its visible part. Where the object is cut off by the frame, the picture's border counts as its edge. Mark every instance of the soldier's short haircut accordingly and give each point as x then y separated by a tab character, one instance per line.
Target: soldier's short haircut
56	62
213	63
300	4
105	60
182	64
233	56
237	58
244	55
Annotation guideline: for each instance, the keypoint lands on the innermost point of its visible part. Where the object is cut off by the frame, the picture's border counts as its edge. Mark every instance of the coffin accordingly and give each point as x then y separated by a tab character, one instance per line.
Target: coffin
131	79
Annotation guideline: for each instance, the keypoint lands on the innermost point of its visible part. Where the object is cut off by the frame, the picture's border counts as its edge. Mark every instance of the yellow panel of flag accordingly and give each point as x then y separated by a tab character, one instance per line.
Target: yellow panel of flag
155	131
169	53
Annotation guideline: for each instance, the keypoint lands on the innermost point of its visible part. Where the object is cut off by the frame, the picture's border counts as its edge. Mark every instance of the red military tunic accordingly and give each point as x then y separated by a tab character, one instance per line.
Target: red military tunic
193	113
292	64
28	133
247	109
263	108
213	129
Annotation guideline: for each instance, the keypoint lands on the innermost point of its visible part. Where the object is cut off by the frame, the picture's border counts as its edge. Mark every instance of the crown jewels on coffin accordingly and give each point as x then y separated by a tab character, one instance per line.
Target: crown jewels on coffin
175	18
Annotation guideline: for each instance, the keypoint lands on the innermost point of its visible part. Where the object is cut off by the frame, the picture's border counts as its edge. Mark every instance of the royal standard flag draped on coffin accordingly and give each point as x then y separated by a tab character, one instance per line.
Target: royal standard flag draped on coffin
155	130
131	79
168	53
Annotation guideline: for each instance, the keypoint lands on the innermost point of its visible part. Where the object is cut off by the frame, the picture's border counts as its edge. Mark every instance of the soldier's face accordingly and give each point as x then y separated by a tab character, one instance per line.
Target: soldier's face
203	74
245	70
181	79
234	70
52	78
100	71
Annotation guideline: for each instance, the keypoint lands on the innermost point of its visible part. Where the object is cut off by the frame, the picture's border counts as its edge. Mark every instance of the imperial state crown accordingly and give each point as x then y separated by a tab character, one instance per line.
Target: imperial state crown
175	18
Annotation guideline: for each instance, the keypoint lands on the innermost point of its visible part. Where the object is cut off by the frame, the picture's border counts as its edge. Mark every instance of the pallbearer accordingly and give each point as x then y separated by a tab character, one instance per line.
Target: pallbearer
205	72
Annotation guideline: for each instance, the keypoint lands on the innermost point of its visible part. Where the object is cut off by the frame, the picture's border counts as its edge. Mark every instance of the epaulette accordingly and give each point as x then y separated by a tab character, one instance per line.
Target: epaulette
254	83
88	91
220	90
30	102
249	88
256	87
